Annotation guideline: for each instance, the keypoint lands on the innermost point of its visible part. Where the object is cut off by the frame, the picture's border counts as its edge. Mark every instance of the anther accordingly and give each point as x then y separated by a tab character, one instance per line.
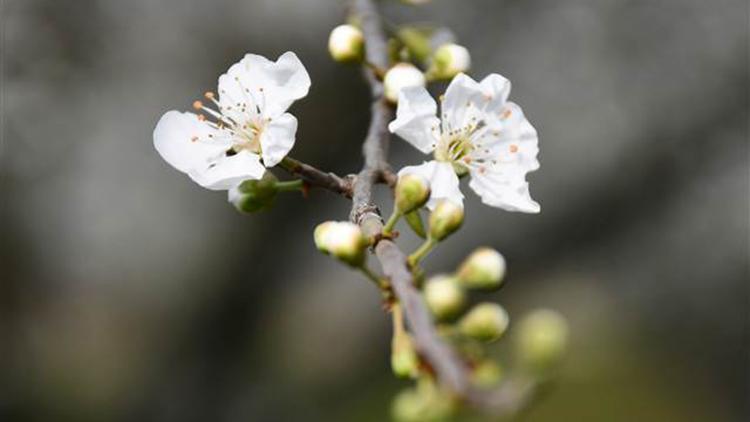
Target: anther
197	105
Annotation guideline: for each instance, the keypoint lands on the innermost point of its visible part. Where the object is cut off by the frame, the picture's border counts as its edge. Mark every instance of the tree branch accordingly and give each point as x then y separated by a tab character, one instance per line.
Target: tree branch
450	370
318	178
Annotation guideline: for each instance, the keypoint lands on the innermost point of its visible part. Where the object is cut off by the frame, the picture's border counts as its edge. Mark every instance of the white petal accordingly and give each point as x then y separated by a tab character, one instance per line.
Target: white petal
229	171
416	119
509	152
443	181
496	90
498	191
183	141
461	103
270	86
277	139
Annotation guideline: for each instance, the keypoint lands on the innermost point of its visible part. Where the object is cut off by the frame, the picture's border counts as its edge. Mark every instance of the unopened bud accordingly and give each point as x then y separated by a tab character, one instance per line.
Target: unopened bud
400	76
485	322
444	297
343	240
449	60
404	359
483	269
422	404
445	219
412	191
542	339
254	195
346	43
486	373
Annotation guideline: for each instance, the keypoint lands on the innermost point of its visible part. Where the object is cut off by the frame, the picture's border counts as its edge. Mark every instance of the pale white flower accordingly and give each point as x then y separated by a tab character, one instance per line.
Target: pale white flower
247	130
480	133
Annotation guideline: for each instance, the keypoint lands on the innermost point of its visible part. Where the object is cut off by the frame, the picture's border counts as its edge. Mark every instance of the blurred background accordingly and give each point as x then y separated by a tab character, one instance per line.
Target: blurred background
128	292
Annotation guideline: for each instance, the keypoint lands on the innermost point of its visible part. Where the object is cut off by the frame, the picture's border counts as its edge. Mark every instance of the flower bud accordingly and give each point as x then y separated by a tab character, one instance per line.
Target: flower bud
486	373
400	76
346	44
254	195
412	191
444	297
449	60
422	404
343	240
445	219
485	322
542	339
483	269
404	360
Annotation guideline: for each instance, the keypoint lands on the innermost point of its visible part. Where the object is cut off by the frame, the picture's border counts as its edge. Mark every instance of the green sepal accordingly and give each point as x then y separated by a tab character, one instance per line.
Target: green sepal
414	219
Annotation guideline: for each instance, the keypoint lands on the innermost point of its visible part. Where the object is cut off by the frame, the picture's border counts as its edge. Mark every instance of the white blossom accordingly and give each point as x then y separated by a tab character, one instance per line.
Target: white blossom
248	128
479	133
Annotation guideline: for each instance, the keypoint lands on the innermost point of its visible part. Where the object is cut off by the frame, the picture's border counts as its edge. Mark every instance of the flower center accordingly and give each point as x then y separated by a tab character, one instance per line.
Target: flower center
243	129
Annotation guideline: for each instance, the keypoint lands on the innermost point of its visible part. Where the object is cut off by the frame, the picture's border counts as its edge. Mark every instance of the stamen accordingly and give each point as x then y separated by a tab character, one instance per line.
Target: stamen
514	148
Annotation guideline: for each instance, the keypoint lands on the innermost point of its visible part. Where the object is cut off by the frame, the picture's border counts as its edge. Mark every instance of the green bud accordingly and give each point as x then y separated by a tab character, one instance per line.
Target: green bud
346	44
542	339
483	269
343	240
412	191
449	60
445	219
487	373
404	359
485	322
422	404
254	195
444	297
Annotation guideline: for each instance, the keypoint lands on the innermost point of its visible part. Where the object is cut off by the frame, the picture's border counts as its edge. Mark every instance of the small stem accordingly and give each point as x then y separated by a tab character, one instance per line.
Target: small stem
381	283
422	251
378	71
291	185
392	220
398	319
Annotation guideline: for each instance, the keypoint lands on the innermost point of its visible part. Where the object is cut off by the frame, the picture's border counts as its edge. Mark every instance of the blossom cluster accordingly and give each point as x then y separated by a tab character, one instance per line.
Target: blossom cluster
473	131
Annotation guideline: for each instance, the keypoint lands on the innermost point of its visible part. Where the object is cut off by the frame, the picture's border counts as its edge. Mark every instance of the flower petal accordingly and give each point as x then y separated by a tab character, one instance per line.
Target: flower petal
443	181
509	152
186	142
416	121
461	103
270	86
496	90
229	171
498	190
277	139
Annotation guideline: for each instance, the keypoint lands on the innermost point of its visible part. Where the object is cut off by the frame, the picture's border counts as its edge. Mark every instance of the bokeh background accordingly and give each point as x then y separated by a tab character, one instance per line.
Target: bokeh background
127	292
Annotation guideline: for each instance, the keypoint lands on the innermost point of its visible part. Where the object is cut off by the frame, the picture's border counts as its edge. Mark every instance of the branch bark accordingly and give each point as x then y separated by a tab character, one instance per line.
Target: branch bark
450	369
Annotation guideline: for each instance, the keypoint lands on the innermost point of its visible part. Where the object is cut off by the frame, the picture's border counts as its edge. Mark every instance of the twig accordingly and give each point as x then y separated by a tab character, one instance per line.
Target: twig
449	368
451	371
318	178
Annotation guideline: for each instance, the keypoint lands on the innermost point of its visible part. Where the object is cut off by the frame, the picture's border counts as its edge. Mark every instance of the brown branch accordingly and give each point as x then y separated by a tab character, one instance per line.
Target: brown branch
318	178
451	371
